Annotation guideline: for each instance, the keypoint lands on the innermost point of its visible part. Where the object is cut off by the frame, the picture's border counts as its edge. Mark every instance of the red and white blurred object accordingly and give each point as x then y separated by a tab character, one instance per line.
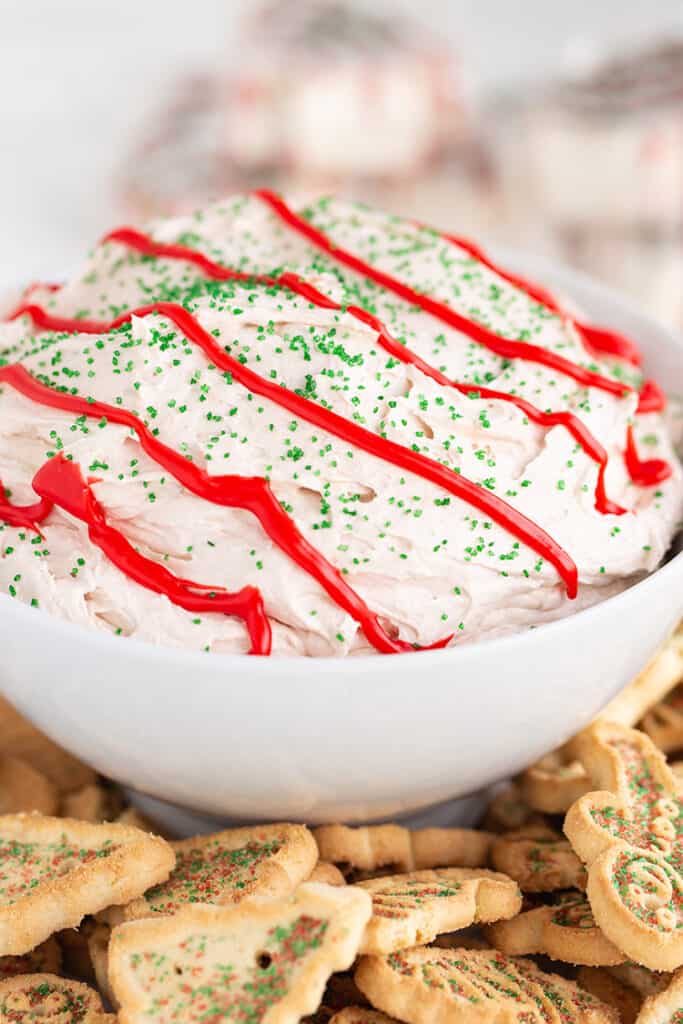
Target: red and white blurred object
323	96
596	162
648	267
331	89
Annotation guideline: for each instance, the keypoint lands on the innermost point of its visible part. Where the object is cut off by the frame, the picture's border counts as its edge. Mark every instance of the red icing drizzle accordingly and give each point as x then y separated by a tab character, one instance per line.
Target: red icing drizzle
598	340
59	481
250	493
148	246
652	398
23	517
572	423
645	473
504	347
500	511
43	286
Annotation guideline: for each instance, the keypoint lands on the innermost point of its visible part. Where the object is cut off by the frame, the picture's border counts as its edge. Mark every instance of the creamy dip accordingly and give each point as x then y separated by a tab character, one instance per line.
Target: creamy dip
443	515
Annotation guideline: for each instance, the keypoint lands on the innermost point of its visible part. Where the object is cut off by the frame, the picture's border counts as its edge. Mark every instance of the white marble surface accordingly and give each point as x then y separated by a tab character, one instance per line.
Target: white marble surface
77	76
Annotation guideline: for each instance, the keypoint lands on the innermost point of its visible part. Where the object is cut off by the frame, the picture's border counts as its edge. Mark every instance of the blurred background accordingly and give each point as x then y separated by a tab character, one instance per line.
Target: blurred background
557	127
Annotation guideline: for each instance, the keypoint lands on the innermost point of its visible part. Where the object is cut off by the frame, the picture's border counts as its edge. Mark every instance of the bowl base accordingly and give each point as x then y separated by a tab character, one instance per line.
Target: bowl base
181	822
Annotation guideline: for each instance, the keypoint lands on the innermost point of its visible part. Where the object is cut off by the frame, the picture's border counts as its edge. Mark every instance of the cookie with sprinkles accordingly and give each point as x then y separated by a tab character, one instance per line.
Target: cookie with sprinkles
663	673
538	859
602	983
135	818
508	810
327	873
667	1007
554	783
54	871
558	780
368	848
253	963
20	738
44	959
98	948
440	986
563	930
93	802
24	788
625	986
646	982
412	909
664	722
629	834
259	863
47	999
73	943
361	1015
374	847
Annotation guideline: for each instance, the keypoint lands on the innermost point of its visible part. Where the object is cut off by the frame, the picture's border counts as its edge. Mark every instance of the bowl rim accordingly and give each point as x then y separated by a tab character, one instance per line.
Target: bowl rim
331	666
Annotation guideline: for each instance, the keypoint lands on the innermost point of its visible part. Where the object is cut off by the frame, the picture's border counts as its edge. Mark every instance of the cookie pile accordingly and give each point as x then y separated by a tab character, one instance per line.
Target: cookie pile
566	907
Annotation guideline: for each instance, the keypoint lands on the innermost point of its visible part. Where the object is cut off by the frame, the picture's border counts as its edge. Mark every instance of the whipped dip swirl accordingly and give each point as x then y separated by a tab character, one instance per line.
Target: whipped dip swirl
319	432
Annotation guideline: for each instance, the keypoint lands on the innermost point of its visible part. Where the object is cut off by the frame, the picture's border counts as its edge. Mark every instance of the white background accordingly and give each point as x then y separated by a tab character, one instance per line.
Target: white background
78	76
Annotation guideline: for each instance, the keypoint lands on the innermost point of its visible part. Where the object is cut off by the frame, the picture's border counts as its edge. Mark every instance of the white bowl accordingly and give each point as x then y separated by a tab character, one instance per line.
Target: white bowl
356	740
